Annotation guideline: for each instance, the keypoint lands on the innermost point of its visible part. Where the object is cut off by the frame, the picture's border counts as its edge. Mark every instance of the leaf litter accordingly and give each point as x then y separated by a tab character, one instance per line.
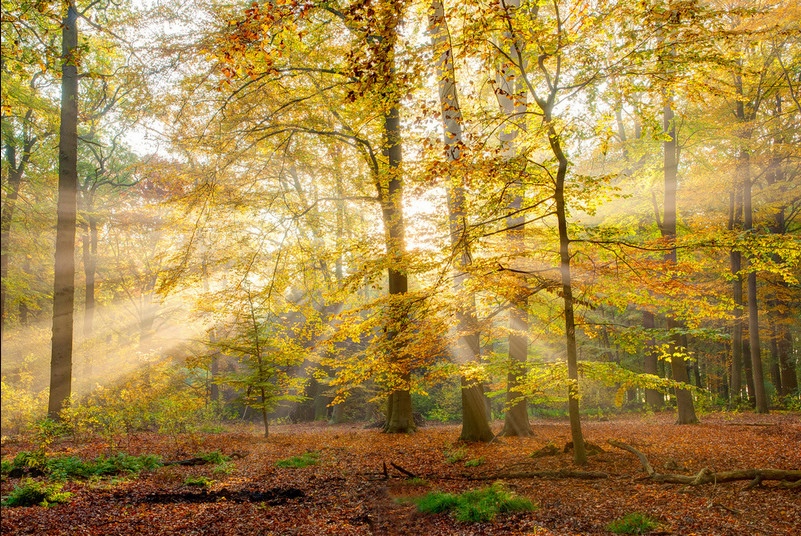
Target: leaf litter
362	477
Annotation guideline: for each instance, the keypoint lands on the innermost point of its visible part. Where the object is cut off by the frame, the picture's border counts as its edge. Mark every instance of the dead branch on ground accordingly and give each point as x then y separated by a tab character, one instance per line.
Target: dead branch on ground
786	478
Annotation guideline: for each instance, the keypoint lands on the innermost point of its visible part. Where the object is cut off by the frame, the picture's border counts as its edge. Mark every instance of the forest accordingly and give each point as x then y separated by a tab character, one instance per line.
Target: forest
372	263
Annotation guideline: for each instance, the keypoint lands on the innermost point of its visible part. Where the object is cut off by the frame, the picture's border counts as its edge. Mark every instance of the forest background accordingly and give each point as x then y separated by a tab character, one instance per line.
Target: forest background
289	211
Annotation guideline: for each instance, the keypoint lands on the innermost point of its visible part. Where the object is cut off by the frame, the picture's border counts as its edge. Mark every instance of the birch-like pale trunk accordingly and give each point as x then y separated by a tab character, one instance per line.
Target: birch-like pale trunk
512	101
475	420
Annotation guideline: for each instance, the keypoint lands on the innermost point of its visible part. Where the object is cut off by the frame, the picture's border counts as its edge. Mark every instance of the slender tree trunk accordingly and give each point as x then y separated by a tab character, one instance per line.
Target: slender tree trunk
64	280
653	398
749	376
475	420
90	239
735	262
737	328
753	307
15	173
684	400
786	365
579	450
779	311
775	371
511	94
399	404
744	117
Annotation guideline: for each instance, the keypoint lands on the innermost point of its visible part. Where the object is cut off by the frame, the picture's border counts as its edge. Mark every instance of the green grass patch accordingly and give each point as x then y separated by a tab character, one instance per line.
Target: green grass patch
71	467
199	481
29	492
216	457
296	462
634	523
476	506
455	455
65	468
475	462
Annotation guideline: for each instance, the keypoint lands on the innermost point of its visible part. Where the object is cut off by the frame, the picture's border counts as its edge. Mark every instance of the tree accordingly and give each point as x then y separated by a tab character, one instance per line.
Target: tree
511	95
64	282
27	122
475	420
552	77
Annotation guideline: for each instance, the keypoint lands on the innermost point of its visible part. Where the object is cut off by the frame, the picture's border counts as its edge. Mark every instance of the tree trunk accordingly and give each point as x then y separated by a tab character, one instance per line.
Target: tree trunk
653	398
684	400
90	239
15	173
399	404
579	450
475	420
511	95
516	421
64	280
753	307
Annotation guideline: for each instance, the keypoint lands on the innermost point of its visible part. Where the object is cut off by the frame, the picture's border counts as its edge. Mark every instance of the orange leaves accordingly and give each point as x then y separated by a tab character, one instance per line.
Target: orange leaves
260	38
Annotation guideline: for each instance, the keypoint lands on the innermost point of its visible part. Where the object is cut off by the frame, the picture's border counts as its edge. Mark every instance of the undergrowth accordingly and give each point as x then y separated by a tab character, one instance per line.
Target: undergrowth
475	506
29	492
297	462
634	523
70	467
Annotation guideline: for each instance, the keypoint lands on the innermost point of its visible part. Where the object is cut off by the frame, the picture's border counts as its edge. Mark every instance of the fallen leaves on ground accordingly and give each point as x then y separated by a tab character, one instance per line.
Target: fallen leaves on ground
354	489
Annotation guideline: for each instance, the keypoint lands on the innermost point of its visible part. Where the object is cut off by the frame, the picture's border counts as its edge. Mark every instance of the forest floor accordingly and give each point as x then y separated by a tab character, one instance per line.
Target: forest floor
349	491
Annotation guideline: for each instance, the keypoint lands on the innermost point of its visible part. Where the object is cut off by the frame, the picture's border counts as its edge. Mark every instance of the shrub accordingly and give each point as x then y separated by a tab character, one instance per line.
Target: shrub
635	523
475	506
297	462
31	493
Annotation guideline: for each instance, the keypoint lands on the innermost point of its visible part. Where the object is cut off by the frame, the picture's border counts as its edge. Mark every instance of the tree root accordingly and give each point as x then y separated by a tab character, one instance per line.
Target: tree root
786	478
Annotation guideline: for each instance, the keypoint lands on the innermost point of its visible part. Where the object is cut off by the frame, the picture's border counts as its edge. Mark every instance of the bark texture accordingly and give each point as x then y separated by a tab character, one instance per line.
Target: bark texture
64	280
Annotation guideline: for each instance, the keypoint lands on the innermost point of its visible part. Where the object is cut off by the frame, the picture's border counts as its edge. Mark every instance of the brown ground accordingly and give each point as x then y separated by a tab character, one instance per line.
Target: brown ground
347	493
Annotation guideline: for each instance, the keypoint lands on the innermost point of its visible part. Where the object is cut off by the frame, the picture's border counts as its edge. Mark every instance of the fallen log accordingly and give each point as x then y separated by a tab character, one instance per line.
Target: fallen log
786	478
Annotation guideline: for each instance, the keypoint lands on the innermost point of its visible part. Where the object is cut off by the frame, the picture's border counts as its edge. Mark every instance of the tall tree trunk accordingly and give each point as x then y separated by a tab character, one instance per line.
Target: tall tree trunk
753	307
475	420
743	174
511	95
579	451
64	280
779	310
735	261
684	400
399	403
